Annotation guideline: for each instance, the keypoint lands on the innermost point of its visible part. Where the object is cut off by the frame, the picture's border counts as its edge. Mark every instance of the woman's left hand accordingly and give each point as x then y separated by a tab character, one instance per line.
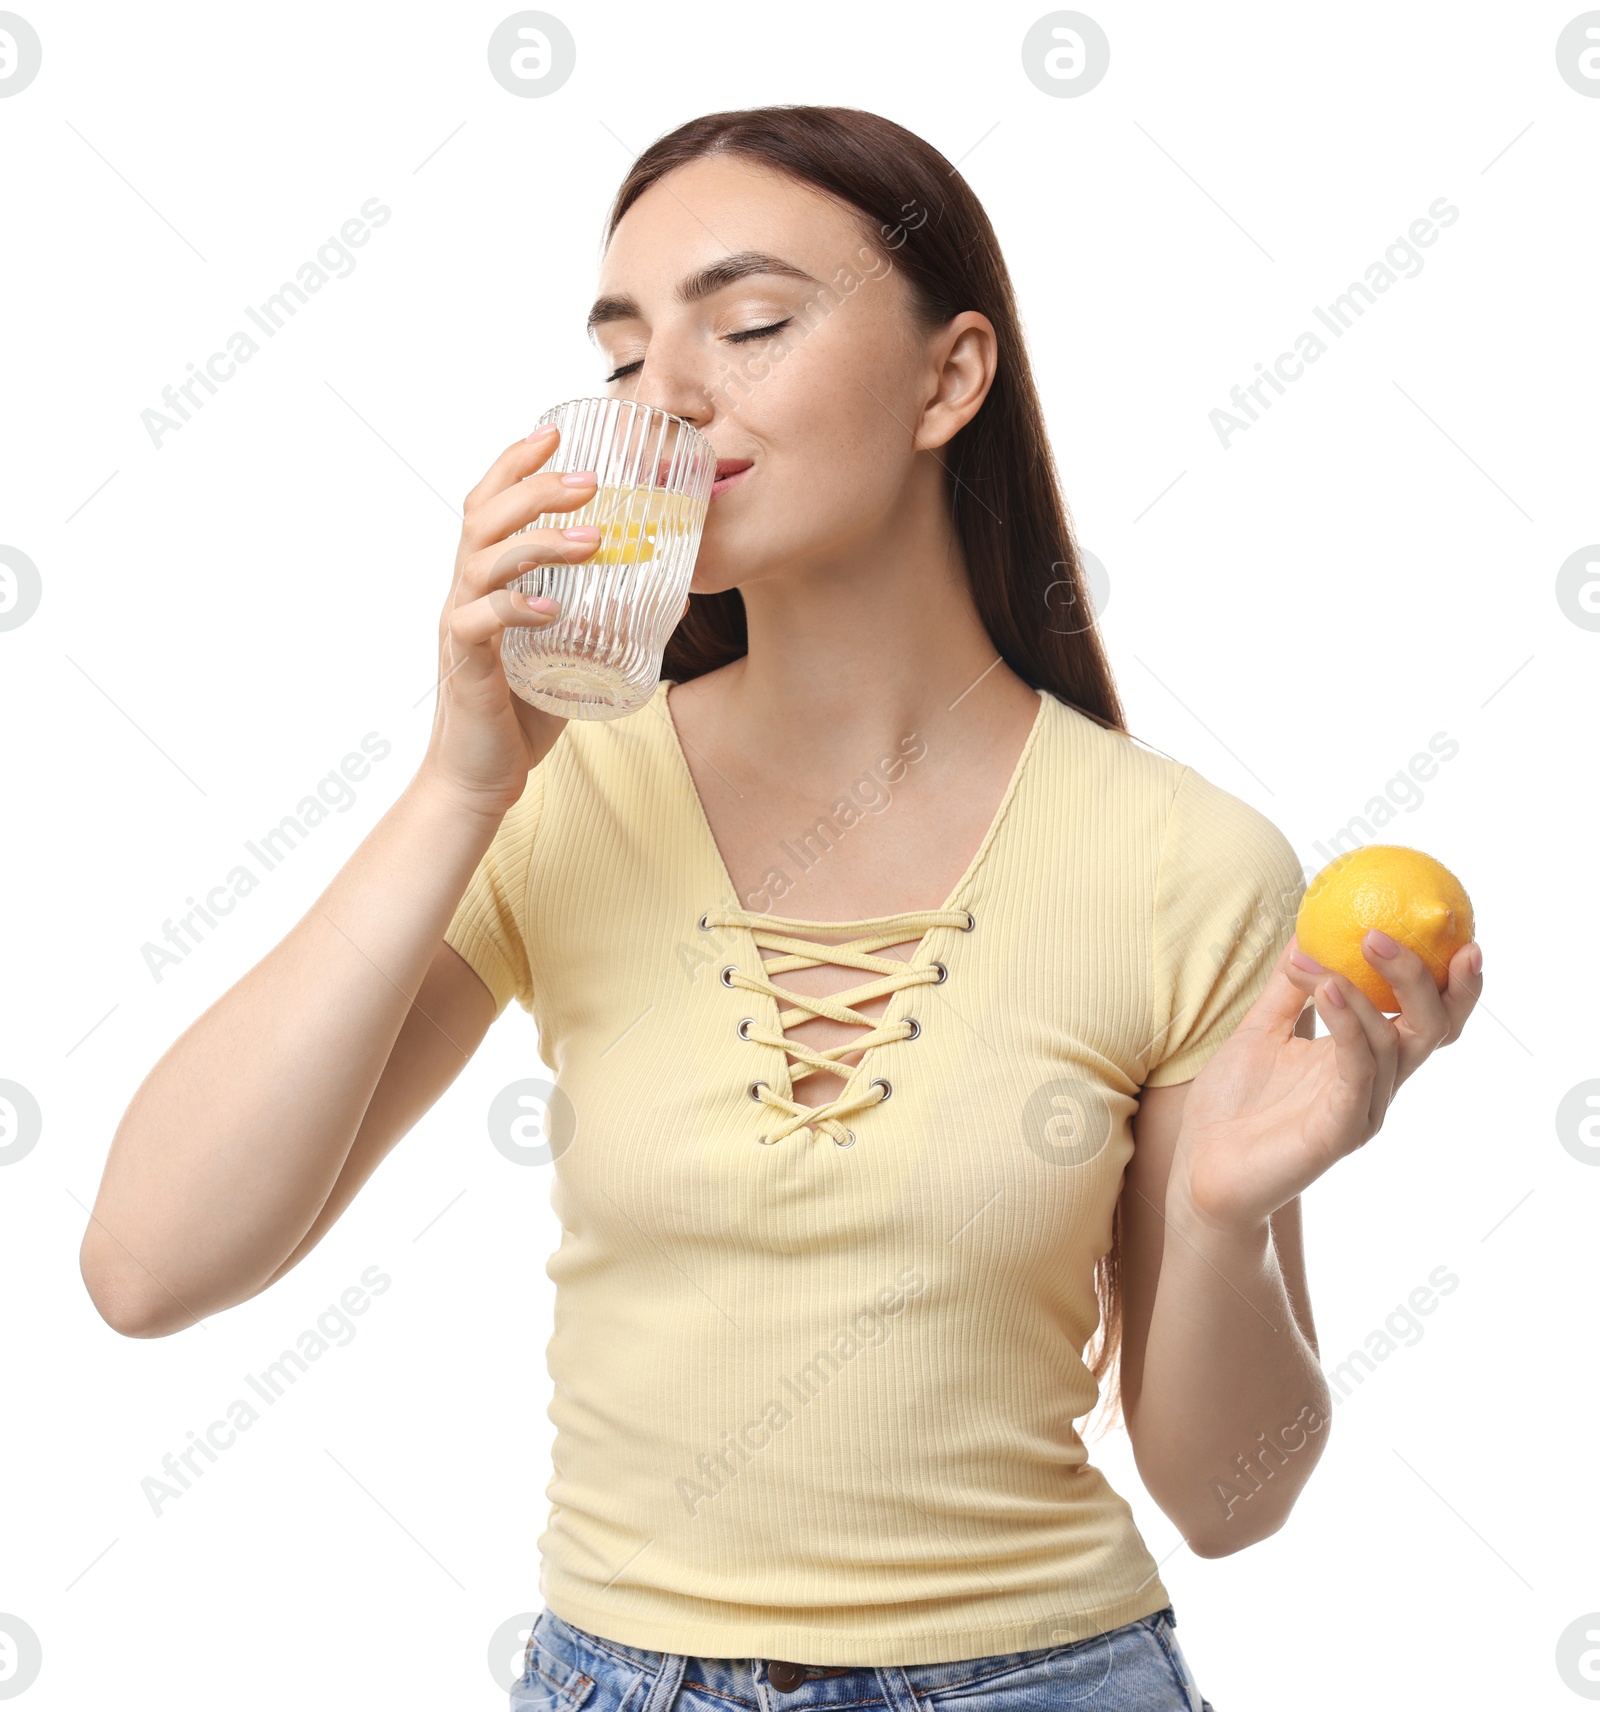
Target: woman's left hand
1271	1111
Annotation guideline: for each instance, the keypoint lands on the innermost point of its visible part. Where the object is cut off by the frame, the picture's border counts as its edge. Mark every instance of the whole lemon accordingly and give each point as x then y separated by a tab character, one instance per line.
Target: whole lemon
1411	897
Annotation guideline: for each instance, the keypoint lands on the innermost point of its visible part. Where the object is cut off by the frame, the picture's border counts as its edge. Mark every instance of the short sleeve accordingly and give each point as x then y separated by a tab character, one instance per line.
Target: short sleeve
1228	889
487	927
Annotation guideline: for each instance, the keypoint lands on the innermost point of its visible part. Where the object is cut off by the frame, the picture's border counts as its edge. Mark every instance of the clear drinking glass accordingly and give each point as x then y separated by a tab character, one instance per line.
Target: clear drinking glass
601	657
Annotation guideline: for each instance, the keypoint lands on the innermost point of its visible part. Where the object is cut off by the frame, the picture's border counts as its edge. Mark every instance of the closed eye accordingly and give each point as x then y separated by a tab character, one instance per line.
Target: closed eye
733	339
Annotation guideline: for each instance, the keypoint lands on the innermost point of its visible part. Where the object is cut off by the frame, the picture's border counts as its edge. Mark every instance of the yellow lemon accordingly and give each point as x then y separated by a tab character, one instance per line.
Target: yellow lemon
632	519
1406	893
619	546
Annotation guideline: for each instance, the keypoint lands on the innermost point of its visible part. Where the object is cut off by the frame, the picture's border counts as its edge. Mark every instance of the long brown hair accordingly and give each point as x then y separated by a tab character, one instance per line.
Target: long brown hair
1001	483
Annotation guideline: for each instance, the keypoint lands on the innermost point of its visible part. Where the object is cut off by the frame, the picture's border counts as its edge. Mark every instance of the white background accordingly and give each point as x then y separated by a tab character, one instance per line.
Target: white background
223	619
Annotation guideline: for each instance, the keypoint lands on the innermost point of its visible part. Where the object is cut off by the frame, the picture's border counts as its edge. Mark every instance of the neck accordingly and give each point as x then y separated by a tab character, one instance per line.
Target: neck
856	648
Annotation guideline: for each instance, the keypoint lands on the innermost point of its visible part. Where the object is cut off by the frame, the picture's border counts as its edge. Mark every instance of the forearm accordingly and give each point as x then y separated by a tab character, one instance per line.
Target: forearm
229	1148
1233	1408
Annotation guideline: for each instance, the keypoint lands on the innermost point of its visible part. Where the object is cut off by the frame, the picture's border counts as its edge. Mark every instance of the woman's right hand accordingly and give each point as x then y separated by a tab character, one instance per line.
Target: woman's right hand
485	737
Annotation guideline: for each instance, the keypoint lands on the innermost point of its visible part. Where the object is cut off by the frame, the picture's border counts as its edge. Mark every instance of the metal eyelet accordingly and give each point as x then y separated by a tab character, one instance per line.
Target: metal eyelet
972	922
729	969
944	973
753	1086
916	1028
850	1143
884	1083
701	924
744	1024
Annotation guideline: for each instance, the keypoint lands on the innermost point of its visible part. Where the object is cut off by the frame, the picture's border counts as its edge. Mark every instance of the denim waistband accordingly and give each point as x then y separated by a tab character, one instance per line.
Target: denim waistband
731	1674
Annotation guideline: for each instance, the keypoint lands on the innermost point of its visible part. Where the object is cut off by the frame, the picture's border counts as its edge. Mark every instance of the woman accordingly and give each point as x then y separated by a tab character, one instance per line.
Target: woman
911	1021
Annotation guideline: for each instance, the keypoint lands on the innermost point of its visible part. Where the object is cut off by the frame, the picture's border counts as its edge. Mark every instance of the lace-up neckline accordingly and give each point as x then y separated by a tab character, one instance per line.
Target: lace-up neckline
801	951
796	940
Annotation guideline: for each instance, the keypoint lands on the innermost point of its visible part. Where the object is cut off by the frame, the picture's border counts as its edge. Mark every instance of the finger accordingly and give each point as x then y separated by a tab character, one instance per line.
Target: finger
1355	1062
1423	1021
1284	996
1305	973
1309	976
496	566
522	500
1383	1042
1463	990
516	461
485	619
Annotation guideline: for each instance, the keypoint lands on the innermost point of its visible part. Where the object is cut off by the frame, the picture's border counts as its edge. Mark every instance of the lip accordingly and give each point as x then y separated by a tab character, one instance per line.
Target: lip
730	472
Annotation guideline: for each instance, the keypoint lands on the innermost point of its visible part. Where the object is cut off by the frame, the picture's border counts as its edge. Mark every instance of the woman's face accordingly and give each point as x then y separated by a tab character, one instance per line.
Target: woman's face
825	409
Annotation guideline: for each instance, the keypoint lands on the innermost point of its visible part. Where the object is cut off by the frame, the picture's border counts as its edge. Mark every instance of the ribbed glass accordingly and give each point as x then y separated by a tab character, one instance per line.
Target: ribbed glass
601	657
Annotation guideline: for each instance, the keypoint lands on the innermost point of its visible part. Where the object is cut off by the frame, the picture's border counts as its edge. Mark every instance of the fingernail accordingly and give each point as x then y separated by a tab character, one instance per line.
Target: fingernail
544	433
1382	945
577	478
542	603
1475	959
582	532
1335	997
1301	961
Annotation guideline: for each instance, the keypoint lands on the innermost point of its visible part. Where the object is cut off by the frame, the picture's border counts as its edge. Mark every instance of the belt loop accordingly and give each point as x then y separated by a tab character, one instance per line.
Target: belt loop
898	1694
668	1679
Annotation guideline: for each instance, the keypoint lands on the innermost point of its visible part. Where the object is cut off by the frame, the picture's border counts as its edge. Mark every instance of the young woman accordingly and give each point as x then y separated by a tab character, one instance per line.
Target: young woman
912	1023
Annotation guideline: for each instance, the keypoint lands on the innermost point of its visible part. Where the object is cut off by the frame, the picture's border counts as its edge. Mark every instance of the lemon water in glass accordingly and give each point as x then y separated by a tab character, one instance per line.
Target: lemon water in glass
600	658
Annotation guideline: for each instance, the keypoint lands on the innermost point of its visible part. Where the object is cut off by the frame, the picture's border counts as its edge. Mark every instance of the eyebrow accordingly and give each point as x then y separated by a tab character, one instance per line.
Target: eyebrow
692	287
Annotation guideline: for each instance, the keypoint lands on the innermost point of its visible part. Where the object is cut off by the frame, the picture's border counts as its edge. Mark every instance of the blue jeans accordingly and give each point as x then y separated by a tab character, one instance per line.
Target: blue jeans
1136	1668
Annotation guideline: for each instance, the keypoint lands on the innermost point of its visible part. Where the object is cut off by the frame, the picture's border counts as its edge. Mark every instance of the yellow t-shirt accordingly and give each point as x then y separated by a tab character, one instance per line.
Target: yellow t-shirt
814	1398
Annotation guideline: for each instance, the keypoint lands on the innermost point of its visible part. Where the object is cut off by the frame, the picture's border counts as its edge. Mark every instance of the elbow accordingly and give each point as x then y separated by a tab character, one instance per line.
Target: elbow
124	1314
1225	1543
136	1328
132	1319
124	1317
1250	1506
147	1312
1222	1537
129	1312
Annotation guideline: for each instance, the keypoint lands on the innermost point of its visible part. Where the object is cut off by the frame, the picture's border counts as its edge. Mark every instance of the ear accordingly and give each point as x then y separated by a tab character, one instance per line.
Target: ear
964	358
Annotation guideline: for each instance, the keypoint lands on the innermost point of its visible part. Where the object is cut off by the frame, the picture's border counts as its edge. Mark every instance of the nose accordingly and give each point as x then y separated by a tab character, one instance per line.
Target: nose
689	402
672	379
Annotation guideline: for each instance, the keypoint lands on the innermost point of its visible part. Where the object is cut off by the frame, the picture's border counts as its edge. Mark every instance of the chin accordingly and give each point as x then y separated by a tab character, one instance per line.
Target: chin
713	575
703	586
